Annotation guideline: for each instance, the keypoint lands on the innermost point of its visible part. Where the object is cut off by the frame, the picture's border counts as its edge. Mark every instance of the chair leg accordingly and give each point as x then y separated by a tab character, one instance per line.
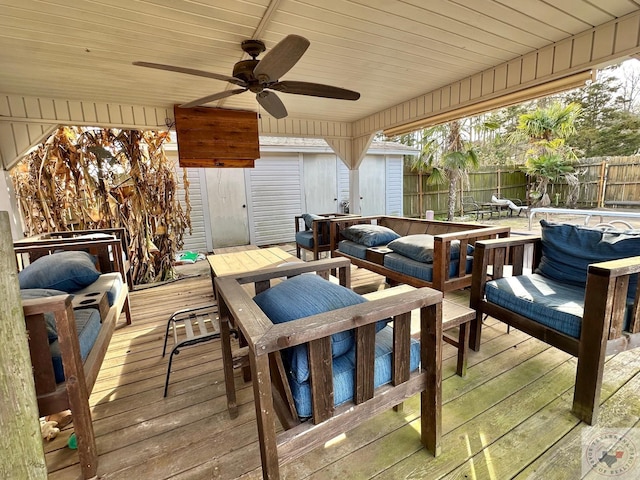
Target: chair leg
127	310
475	333
463	349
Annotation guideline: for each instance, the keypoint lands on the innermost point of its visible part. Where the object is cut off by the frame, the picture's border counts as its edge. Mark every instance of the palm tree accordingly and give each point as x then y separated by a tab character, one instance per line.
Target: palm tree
548	159
446	159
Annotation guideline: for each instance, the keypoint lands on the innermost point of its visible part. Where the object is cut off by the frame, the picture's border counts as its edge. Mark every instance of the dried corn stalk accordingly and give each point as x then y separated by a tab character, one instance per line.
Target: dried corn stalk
84	178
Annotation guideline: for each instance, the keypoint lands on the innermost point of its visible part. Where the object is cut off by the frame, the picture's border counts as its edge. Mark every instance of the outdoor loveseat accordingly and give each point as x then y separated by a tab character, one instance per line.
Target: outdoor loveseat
73	293
420	253
581	297
294	327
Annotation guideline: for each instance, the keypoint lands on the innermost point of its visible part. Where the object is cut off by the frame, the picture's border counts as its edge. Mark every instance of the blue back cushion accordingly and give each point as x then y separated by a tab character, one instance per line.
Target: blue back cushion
66	271
369	235
309	218
568	250
420	247
303	296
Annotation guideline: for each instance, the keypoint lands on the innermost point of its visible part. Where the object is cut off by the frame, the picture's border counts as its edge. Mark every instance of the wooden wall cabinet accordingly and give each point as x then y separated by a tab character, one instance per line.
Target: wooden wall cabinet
216	137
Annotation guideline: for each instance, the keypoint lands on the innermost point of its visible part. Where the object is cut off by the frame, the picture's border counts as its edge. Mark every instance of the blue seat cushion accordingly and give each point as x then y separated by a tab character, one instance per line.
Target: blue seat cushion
303	296
67	271
568	250
49	318
344	371
369	235
352	248
554	304
424	271
88	328
111	283
305	238
420	247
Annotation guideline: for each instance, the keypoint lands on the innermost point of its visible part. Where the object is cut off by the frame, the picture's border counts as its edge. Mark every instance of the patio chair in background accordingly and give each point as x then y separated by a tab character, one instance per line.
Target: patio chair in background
314	234
514	205
471	207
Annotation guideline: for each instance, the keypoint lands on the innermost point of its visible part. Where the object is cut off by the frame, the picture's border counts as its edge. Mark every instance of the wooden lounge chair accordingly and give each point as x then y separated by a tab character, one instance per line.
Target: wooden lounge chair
269	342
586	308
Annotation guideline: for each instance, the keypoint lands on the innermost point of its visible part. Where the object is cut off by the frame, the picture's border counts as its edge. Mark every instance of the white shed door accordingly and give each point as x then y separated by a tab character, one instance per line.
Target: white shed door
227	207
372	185
275	184
320	183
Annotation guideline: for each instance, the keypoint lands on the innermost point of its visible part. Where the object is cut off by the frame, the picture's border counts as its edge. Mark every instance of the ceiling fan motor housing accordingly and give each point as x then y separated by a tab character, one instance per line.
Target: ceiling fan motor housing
253	47
244	70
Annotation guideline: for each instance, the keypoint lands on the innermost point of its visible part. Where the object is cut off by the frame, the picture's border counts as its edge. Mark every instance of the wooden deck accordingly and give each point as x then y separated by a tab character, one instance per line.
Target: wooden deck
508	418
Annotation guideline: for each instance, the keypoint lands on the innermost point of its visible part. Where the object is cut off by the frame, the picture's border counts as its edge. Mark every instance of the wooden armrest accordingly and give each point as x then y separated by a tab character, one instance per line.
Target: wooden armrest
37	306
508	241
292	269
304	330
616	268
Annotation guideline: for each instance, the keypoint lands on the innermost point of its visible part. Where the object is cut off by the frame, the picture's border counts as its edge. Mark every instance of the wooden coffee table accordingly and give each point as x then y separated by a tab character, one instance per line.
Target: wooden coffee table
233	263
248	261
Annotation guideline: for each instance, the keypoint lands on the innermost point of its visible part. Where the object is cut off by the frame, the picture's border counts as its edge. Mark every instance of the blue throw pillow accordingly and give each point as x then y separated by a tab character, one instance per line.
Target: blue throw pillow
49	318
420	247
303	296
67	271
568	250
369	235
309	218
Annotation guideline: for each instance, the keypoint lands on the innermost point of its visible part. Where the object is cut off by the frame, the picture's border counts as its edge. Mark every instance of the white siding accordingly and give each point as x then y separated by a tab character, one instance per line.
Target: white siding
393	185
343	184
197	241
275	199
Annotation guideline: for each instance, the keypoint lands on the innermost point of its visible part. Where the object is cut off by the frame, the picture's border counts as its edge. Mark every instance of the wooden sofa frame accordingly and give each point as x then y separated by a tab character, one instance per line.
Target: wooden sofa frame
320	229
272	395
444	233
73	393
123	264
602	324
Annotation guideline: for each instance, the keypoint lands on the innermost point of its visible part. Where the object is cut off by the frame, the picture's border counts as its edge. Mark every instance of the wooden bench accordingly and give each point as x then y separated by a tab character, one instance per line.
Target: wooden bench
443	232
272	394
73	393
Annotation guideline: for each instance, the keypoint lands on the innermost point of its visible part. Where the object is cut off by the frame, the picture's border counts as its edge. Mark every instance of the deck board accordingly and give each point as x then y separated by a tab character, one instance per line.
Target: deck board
508	418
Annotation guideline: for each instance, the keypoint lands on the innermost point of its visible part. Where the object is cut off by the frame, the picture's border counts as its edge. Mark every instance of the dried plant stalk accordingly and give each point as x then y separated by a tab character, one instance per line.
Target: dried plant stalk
87	178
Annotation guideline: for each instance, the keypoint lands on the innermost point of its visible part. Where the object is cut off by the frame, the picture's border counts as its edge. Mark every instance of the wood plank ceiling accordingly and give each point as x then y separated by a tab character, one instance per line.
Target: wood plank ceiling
390	51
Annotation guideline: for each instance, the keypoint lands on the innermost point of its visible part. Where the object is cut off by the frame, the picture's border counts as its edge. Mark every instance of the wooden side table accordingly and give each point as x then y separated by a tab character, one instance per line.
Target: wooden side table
453	315
376	254
97	300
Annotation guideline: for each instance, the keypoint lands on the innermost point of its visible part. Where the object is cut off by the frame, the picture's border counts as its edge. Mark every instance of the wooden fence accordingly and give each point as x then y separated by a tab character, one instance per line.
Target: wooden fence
604	182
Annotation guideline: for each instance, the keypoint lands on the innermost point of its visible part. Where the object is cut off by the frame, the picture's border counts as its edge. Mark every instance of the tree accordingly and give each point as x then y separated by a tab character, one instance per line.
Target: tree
446	158
88	178
548	158
607	125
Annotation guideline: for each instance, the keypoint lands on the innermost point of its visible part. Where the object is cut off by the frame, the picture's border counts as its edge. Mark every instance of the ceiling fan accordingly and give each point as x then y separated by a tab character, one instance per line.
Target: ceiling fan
262	76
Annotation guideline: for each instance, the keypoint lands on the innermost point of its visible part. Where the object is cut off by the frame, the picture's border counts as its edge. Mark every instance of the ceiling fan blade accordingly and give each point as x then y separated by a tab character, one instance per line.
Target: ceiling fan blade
315	90
211	98
279	60
191	71
272	104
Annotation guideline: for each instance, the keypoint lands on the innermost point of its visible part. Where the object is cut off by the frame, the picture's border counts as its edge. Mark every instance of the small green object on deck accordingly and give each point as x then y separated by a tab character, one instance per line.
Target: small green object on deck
72	443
